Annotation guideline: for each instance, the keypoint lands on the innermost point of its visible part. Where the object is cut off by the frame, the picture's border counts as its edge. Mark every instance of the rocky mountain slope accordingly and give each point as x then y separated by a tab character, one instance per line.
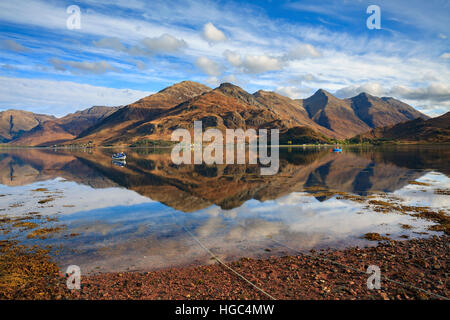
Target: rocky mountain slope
13	123
379	112
333	113
126	119
434	130
348	117
63	129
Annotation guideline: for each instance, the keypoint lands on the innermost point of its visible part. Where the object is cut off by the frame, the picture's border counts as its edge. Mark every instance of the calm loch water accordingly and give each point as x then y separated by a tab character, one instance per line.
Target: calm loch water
151	214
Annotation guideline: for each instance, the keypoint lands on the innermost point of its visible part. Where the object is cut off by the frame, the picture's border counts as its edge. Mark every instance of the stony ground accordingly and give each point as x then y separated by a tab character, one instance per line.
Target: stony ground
421	262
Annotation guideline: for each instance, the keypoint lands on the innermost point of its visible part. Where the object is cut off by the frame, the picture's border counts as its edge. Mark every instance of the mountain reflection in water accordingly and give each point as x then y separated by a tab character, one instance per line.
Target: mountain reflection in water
135	216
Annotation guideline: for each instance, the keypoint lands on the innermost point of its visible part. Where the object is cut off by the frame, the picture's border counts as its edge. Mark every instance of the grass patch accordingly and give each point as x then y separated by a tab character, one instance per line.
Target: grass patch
444	192
46	200
26	272
25	225
373	236
44	233
419	183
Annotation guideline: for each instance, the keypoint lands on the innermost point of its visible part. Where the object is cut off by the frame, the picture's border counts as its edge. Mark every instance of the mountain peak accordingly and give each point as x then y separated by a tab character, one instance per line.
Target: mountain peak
322	92
229	86
364	95
236	92
172	95
321	95
185	86
261	93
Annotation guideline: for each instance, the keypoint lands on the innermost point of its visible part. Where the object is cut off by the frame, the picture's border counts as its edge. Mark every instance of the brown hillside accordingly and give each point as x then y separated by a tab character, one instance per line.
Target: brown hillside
436	130
48	133
146	109
213	108
63	129
227	106
14	123
380	112
334	114
290	110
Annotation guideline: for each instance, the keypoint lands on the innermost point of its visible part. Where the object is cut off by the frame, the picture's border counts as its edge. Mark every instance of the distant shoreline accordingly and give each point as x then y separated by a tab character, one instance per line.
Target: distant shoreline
281	146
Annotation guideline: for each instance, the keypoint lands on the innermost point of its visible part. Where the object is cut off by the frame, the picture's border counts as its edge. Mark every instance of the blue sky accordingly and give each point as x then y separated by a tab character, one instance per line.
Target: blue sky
127	49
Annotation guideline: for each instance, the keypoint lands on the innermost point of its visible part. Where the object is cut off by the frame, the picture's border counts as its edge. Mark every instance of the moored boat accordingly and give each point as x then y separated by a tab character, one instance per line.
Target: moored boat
119	156
120	163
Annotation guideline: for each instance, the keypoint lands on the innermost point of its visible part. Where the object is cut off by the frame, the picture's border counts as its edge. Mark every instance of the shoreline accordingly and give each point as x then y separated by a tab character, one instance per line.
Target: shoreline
405	143
293	277
332	275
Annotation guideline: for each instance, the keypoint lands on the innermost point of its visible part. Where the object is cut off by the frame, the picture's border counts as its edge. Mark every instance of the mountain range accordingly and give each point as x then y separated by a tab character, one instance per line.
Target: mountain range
318	118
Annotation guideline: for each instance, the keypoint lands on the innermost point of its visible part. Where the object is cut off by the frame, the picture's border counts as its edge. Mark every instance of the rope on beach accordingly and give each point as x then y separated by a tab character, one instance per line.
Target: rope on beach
224	264
308	255
361	271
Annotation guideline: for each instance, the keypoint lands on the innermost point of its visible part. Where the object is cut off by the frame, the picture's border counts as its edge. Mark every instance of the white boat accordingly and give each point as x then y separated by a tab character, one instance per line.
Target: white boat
120	163
119	156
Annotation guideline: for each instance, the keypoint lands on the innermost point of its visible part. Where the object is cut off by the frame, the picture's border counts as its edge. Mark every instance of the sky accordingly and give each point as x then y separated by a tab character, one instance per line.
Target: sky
124	50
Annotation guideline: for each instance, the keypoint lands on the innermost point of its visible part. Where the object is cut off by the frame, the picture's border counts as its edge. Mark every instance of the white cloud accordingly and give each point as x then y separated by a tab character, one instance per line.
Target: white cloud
300	79
292	91
261	63
303	51
212	34
13	46
163	43
230	78
374	89
110	43
445	55
309	77
8	67
140	65
208	66
234	58
127	4
436	92
325	9
60	97
87	198
99	67
252	63
213	81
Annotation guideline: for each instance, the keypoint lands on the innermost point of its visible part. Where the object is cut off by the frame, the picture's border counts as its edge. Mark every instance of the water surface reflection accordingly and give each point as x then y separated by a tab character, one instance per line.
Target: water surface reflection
136	216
